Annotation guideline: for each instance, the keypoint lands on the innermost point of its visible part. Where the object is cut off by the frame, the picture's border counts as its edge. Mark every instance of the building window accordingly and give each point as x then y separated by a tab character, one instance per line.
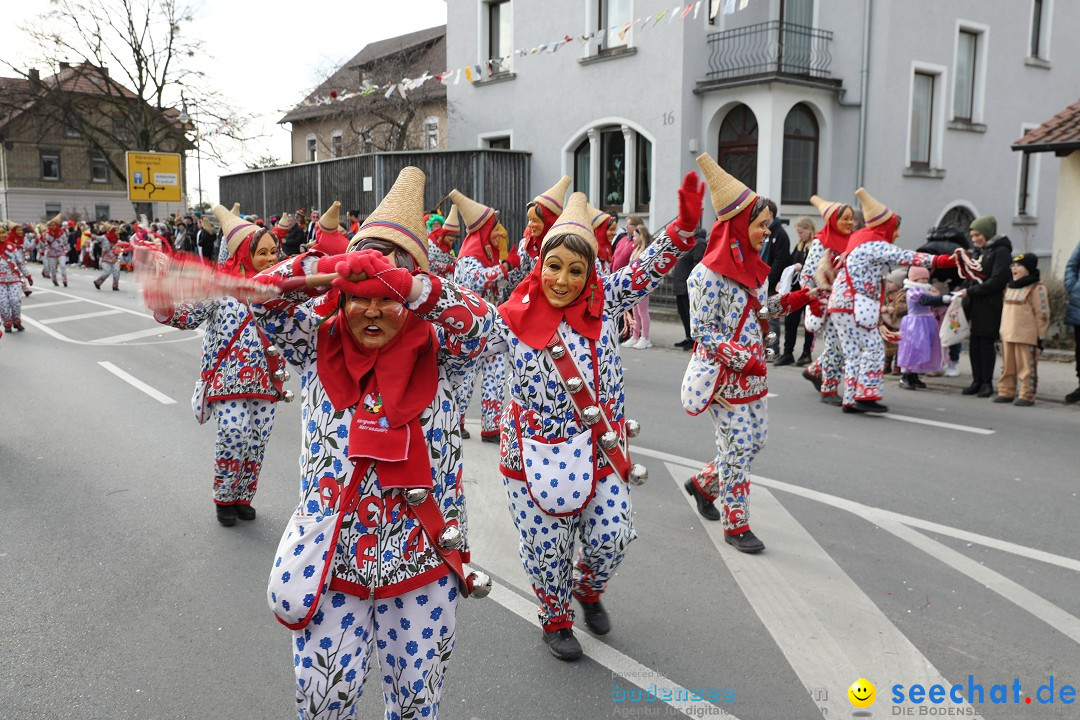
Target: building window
582	160
1037	48
1024	186
500	35
799	179
50	164
101	212
52	210
738	148
501	142
612	170
614	18
71	126
964	96
121	131
99	168
336	144
643	174
431	132
922	117
312	149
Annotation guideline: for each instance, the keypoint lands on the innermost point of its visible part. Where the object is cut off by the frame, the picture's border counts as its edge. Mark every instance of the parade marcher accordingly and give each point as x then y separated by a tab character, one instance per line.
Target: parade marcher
13	273
112	247
730	313
280	230
819	271
857	294
604	227
1025	317
983	302
564	446
441	244
479	269
56	250
380	446
241	374
330	236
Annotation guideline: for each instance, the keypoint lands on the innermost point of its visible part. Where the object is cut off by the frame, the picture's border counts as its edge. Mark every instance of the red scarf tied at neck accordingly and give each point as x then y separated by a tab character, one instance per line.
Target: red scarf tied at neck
438	238
730	254
604	250
831	236
388	388
534	320
879	233
478	244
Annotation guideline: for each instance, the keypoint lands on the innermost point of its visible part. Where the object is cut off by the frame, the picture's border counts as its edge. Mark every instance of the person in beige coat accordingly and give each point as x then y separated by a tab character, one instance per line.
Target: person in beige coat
1024	320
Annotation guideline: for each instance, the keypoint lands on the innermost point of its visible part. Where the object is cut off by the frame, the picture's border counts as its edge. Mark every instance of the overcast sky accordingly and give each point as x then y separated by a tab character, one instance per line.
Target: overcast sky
306	41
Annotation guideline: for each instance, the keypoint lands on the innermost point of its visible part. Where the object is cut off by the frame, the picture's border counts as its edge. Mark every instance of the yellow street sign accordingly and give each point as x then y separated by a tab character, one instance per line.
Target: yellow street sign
153	177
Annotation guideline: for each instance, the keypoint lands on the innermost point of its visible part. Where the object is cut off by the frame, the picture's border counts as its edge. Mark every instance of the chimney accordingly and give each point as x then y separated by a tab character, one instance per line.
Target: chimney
34	77
64	65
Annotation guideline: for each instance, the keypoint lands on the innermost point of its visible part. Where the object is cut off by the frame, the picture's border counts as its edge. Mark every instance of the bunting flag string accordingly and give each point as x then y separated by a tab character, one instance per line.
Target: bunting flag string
492	66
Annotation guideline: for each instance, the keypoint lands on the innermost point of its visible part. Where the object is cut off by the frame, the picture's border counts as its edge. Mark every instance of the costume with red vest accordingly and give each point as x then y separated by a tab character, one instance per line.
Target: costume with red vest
112	247
13	273
56	251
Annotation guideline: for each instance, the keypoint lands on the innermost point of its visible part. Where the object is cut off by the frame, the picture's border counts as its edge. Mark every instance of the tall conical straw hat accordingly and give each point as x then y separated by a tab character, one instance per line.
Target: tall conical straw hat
576	219
597	217
207	226
399	218
331	219
874	213
473	214
729	196
287	221
825	207
233	230
452	223
59	218
235	209
553	199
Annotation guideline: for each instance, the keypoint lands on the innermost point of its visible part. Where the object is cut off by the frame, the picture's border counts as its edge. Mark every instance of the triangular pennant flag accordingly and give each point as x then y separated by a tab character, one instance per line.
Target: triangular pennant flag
697	6
660	17
729	7
686	11
674	11
389	91
622	33
743	4
468	74
457	78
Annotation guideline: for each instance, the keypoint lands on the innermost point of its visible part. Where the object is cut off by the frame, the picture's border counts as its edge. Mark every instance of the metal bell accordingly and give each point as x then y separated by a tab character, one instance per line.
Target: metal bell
770	338
451	538
478	584
415	496
633	428
281	375
272	350
638	474
574	384
558	351
609	440
770	353
287	396
764	313
591	415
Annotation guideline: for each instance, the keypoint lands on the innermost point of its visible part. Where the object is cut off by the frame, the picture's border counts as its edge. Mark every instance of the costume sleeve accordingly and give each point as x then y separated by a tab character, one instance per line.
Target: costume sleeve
813	259
442	263
625	288
931	300
188	316
469	273
516	275
290	321
1041	300
714	315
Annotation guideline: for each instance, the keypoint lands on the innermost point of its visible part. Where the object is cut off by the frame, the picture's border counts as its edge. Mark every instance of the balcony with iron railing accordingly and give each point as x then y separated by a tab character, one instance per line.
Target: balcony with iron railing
769	50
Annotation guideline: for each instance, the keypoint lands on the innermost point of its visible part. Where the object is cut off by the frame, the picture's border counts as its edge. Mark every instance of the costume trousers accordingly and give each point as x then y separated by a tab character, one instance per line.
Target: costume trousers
414	637
1019	376
740	435
108	269
864	358
547	547
983	355
243	429
492	370
829	366
11	295
51	265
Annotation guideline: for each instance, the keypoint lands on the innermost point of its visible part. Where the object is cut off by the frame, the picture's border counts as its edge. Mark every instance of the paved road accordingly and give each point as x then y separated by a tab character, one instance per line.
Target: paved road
922	548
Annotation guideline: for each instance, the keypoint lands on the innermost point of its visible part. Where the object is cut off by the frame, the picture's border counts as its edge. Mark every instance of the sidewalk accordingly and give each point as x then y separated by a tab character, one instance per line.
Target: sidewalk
1057	368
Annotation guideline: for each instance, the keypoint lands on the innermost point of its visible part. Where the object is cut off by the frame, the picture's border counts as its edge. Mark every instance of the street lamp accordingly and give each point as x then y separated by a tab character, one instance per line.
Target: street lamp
185	118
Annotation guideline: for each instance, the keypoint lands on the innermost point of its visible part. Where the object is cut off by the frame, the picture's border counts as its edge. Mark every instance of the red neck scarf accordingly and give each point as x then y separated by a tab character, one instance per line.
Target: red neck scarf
534	320
603	245
53	231
831	236
879	233
388	389
729	251
438	238
240	263
478	244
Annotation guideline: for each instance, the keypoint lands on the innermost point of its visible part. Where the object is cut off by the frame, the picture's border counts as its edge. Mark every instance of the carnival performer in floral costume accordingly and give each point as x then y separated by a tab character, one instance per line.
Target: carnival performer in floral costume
112	247
13	273
56	250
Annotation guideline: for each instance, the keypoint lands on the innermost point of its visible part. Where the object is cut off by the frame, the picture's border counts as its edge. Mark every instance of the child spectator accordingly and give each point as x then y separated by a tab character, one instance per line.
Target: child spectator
919	348
892	312
1025	317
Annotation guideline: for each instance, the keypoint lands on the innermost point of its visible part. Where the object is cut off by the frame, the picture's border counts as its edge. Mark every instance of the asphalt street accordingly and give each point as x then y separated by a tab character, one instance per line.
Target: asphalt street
936	545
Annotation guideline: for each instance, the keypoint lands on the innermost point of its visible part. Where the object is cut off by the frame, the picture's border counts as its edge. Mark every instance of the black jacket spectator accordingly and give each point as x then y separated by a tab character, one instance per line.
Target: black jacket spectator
776	252
984	300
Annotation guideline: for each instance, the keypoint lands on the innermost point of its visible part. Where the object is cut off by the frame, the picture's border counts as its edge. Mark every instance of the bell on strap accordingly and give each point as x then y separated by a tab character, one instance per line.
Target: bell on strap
633	428
638	474
415	496
478	584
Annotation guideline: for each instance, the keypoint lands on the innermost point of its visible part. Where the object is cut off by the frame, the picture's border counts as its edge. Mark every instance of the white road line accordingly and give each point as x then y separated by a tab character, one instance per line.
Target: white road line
137	383
145	314
35	306
83	316
138	334
828	629
938	424
881	514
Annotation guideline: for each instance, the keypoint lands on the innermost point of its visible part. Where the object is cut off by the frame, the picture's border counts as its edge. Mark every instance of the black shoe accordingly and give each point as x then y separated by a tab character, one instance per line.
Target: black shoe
245	512
870	406
1073	397
972	388
803	361
1021	402
907	383
226	515
851	410
684	344
985	390
815	381
917	381
833	400
746	542
596	617
785	359
705	506
563	644
97	284
489	438
1001	399
465	434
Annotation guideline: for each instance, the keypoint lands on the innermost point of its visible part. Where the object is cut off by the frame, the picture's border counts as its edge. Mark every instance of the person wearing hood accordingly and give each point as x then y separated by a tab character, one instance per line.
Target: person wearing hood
112	248
1025	317
380	352
13	273
441	232
730	314
983	301
819	271
56	250
241	373
856	299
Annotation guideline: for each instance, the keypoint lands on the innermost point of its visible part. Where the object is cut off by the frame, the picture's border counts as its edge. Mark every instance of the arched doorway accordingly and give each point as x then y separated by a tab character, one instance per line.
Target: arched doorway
958	216
799	179
738	148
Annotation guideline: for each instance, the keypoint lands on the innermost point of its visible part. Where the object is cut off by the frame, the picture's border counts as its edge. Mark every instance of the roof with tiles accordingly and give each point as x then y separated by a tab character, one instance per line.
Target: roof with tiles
1060	133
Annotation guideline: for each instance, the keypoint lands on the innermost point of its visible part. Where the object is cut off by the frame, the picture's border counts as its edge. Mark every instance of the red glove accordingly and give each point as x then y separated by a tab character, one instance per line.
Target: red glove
795	301
816	307
398	281
691	193
366	288
754	366
943	262
513	261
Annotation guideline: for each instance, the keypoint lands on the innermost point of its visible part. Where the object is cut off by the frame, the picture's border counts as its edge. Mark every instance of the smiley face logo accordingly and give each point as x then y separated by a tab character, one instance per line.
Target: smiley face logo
862	693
